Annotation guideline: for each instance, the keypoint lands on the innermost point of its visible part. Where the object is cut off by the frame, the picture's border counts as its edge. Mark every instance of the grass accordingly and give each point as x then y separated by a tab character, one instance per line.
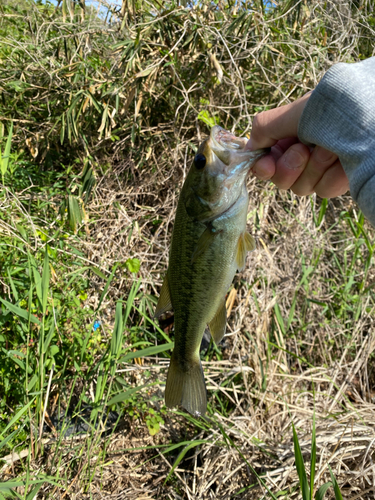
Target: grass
99	120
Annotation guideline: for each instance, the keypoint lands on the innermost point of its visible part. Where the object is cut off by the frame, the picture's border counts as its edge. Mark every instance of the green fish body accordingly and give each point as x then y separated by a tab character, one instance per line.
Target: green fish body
209	244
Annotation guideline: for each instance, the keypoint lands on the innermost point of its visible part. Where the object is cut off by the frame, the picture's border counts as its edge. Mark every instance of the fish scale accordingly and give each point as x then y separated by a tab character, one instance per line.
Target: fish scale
209	243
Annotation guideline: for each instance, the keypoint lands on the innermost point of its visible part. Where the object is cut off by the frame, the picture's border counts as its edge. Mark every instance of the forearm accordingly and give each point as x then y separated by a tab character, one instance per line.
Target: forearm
340	116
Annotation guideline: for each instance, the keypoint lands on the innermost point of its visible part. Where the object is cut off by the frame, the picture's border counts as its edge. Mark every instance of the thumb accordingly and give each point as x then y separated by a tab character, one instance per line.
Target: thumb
278	123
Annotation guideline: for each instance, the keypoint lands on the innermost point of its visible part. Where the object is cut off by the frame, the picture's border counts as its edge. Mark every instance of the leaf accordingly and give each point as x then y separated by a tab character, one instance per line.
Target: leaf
143	73
148	351
206	118
45	282
313	457
17	416
300	467
117	334
8	438
338	495
133	265
322	491
20	312
74	213
106	285
123	396
4	159
191	445
104	121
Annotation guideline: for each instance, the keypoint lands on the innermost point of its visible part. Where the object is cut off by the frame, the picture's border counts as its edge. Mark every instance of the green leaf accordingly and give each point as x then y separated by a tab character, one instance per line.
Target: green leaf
19	312
38	283
4	159
45	282
74	213
117	334
107	286
300	467
191	445
133	265
32	382
338	494
206	118
8	438
149	351
33	492
322	491
17	416
313	458
123	396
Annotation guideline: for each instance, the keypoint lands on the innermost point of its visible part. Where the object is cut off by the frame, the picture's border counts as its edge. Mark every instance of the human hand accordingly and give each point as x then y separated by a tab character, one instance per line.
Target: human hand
291	164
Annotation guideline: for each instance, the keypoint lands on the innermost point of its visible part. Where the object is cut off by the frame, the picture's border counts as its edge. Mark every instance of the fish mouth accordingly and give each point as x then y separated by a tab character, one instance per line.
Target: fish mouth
231	149
222	139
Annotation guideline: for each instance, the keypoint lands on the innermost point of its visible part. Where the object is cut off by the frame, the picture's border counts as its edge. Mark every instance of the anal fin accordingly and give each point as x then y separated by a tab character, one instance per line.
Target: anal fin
219	323
164	303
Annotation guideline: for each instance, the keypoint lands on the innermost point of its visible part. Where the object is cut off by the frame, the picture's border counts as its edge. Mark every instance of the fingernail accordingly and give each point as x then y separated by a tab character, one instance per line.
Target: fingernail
293	159
258	174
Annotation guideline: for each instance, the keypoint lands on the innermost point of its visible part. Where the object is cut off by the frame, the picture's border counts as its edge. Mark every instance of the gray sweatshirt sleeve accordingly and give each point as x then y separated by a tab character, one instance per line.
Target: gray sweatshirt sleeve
340	116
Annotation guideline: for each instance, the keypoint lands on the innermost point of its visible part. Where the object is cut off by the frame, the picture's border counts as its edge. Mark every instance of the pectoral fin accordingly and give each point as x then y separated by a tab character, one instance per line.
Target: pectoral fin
246	243
164	303
249	242
219	323
204	242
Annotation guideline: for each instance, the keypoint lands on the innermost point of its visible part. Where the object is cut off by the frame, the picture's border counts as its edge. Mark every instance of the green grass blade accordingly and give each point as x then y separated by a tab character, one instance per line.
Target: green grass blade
338	495
123	396
130	301
104	293
148	351
300	467
5	156
117	334
165	336
322	210
193	444
8	438
322	491
45	282
17	416
279	318
18	311
313	458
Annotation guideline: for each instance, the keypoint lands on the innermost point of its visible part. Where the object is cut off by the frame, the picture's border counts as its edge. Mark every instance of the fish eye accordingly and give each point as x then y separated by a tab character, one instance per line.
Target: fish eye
199	161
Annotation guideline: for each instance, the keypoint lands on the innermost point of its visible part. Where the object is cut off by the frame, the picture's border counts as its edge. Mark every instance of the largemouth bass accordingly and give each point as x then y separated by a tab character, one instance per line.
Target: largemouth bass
209	243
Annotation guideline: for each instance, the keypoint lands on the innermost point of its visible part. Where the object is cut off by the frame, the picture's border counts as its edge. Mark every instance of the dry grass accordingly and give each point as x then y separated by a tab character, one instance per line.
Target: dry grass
301	330
323	360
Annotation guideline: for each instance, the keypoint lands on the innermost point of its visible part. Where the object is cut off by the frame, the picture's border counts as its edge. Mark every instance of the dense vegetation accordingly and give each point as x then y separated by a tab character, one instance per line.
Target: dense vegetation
101	110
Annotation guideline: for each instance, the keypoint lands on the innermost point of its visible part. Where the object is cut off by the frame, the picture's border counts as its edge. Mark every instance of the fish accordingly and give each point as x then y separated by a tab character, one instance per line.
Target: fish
209	244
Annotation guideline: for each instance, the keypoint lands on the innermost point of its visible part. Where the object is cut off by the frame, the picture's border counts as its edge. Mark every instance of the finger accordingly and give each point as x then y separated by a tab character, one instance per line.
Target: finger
291	165
275	124
265	168
320	161
333	183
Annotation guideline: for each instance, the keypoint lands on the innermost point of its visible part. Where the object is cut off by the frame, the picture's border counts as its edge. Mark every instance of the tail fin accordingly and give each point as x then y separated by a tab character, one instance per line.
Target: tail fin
186	387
